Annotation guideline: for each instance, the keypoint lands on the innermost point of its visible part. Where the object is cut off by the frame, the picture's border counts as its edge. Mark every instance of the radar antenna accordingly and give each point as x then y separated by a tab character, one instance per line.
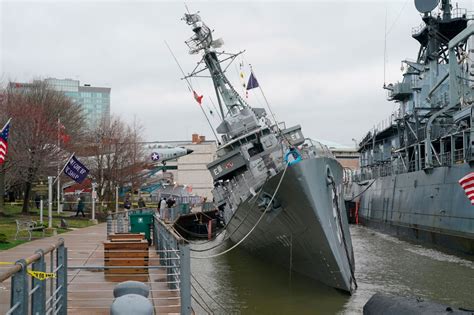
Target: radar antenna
426	6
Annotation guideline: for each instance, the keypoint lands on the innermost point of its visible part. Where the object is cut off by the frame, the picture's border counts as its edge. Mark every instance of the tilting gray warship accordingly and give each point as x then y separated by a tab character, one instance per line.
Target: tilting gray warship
280	193
408	183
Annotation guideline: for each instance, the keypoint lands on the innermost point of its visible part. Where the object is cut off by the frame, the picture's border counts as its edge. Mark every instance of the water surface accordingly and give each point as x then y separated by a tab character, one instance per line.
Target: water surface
244	284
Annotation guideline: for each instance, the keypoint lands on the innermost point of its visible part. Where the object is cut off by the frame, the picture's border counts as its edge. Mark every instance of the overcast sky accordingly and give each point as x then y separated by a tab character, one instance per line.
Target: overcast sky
320	63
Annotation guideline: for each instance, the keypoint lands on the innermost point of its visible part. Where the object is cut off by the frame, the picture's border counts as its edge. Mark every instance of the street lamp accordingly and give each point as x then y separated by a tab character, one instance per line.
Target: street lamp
355	142
94	193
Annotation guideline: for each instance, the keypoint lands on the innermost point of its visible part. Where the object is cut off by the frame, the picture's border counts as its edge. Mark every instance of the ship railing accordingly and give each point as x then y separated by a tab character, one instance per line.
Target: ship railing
45	272
458	155
390	168
445	159
460	13
417	29
388	122
313	148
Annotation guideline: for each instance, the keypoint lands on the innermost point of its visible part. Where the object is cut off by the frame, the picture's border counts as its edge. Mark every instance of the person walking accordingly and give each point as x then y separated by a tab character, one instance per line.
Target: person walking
141	203
80	207
127	204
37	201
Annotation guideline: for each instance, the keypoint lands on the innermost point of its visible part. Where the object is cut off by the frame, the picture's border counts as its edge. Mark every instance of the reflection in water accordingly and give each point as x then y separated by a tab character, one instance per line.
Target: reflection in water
246	285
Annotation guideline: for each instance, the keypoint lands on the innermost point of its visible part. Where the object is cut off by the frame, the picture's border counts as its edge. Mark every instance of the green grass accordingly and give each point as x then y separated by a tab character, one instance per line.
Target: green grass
13	212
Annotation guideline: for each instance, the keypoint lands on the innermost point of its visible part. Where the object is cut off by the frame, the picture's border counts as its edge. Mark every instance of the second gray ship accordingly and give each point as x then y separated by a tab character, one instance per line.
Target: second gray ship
281	194
412	165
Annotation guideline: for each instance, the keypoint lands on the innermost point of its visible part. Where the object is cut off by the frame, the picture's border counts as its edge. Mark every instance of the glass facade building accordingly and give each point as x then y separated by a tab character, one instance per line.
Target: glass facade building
94	101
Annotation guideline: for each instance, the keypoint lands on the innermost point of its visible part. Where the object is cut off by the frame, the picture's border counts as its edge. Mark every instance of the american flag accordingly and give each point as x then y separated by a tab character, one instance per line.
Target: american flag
4	141
467	183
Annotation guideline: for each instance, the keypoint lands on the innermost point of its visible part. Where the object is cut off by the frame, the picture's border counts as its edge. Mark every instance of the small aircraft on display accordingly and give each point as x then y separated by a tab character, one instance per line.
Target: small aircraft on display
163	153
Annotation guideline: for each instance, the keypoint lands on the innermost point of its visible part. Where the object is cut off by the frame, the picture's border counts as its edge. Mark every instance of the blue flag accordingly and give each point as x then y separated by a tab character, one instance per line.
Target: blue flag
253	83
76	170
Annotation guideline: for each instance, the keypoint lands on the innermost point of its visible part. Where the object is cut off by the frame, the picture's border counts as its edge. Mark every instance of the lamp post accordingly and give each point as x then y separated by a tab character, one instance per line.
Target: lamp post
355	143
94	193
116	199
50	202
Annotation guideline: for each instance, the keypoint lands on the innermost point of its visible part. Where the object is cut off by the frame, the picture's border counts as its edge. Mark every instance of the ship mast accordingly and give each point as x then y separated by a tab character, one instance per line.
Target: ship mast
202	41
238	118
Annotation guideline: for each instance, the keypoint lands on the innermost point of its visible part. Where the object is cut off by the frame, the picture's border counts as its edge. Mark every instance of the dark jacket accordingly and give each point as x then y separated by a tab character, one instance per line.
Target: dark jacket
80	205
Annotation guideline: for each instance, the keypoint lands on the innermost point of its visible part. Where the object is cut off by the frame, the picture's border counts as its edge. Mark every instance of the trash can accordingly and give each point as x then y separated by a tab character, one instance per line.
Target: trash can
184	208
141	223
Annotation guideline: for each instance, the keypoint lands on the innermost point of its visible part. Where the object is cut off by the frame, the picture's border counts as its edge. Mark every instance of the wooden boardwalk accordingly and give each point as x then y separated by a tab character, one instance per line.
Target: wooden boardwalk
90	291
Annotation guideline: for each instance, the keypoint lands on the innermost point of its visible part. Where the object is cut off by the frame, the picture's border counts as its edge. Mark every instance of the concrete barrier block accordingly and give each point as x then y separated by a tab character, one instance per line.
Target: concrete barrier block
131	304
131	287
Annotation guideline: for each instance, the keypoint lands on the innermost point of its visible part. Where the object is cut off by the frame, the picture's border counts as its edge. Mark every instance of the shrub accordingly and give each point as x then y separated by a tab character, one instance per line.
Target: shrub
3	238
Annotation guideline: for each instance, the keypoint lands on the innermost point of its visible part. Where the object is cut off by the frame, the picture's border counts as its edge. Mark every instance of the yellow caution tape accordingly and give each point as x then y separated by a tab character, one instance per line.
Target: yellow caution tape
41	275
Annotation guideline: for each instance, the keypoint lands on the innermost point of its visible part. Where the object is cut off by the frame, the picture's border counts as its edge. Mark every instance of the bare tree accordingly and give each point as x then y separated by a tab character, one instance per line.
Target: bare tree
116	156
33	151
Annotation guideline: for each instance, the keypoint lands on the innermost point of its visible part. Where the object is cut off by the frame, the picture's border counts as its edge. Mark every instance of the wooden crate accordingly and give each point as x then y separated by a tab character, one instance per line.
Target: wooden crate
128	252
126	236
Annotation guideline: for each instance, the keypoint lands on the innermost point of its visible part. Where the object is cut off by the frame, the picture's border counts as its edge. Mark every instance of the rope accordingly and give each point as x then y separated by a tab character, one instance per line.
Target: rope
229	235
349	260
254	227
363	191
202	299
207	293
193	233
220	232
204	309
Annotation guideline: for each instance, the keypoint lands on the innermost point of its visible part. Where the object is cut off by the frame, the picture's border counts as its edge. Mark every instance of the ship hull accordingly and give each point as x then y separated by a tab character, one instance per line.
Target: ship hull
426	206
301	230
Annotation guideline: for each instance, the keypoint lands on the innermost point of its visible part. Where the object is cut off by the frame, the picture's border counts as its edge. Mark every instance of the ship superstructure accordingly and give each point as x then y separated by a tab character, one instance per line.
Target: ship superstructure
411	163
280	193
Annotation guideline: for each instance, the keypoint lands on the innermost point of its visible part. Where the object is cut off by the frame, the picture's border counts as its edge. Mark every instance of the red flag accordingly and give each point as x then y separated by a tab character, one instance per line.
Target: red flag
65	137
467	183
198	98
62	133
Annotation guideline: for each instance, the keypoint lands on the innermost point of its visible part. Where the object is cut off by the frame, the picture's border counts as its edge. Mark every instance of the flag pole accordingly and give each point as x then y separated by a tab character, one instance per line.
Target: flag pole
6	124
62	170
59	161
264	97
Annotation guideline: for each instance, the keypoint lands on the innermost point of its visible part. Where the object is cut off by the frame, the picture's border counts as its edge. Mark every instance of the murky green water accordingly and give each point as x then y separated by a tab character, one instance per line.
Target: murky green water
246	285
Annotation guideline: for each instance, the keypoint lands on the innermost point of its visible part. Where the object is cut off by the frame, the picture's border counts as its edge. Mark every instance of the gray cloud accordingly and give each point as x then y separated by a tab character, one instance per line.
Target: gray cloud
320	63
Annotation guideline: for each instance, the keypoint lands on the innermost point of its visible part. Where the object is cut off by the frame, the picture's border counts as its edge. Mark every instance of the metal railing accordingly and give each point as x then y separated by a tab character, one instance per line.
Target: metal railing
175	257
117	222
388	168
38	300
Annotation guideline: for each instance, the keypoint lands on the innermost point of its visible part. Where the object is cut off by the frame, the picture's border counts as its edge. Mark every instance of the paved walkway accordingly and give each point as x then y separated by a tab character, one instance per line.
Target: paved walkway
90	291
